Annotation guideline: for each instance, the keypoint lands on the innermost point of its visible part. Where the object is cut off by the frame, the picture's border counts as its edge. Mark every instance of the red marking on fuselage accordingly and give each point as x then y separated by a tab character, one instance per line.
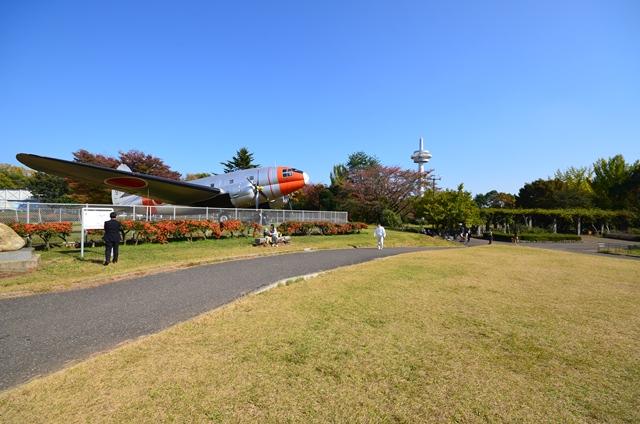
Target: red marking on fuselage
150	202
126	182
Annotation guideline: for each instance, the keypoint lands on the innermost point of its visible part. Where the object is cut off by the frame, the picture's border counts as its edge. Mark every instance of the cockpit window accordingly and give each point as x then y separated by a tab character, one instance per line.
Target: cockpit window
288	172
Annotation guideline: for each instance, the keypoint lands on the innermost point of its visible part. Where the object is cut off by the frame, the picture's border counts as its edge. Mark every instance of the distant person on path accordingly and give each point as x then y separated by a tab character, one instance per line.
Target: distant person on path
380	234
111	239
490	236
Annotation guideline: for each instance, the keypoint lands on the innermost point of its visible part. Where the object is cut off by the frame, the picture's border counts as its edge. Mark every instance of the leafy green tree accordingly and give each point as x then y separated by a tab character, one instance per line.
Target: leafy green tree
576	178
49	188
553	194
539	194
243	159
447	209
196	176
495	199
390	219
313	197
609	182
338	175
13	177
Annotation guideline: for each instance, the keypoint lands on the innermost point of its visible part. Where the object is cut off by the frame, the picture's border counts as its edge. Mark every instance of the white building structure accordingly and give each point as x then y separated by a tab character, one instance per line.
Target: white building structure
9	199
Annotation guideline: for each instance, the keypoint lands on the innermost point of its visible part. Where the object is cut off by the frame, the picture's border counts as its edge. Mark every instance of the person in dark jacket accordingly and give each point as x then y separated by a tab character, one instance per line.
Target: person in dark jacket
111	238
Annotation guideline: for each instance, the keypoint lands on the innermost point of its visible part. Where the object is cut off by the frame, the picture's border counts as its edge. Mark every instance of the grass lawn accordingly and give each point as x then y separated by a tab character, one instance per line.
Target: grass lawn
492	333
62	268
623	251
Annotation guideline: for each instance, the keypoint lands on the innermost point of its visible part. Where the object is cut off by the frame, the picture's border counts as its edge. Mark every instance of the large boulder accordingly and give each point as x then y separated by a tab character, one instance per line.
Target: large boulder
9	240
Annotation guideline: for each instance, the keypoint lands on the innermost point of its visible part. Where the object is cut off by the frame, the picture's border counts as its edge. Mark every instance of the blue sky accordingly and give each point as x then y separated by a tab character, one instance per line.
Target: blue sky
504	92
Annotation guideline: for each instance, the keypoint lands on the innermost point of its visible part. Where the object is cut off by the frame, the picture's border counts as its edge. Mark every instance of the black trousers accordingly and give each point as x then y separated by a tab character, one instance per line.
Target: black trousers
108	247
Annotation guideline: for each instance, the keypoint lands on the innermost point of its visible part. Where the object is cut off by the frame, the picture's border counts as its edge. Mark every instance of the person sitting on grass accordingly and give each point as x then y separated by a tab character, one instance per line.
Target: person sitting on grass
274	235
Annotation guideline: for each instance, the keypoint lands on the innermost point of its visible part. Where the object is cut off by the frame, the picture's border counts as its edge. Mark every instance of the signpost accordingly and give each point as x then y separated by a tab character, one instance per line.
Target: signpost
92	219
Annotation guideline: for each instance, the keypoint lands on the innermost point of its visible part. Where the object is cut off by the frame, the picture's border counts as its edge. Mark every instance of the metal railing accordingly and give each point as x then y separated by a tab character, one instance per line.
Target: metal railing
31	213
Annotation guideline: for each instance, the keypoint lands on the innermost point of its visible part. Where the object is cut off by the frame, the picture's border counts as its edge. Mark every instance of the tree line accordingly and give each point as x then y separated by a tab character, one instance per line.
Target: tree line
372	192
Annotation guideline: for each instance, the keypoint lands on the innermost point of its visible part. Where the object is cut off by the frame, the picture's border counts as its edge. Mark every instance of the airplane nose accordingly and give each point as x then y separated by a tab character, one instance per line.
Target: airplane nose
306	178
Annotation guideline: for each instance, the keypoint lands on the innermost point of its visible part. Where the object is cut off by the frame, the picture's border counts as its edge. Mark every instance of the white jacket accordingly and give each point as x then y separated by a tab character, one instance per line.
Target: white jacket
380	232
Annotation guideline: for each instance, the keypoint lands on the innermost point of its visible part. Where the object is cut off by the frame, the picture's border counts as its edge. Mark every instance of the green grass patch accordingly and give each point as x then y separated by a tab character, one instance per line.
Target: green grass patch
62	268
493	333
535	237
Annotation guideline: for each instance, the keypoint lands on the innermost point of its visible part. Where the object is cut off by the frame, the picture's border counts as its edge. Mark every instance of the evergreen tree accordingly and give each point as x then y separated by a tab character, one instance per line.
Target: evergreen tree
243	159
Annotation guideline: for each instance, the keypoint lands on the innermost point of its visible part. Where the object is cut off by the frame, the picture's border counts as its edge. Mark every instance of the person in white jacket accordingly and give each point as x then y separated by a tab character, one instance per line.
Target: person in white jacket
380	234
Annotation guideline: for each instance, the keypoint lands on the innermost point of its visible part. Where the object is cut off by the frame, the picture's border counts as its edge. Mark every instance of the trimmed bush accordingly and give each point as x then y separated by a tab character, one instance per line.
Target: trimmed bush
46	231
533	237
295	228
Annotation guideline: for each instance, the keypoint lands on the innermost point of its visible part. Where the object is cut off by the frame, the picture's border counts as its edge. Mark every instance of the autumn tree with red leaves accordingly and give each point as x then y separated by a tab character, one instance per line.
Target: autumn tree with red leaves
372	190
136	160
147	164
91	193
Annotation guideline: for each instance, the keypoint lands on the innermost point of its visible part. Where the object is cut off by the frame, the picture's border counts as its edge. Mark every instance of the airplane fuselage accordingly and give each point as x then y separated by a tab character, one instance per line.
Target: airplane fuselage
238	188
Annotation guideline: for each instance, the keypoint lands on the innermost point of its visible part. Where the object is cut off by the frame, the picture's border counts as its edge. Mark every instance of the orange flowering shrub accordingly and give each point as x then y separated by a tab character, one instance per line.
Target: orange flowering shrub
46	231
254	228
294	228
232	226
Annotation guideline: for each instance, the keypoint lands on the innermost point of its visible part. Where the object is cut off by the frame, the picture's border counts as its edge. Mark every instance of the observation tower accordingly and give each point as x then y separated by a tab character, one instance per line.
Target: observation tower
421	157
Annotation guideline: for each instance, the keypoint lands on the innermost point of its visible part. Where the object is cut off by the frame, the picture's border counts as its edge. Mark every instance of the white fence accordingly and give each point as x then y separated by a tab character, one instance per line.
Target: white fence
32	213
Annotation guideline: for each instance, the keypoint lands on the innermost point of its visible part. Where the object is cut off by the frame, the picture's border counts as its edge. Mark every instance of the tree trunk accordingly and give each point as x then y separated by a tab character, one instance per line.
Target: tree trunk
579	225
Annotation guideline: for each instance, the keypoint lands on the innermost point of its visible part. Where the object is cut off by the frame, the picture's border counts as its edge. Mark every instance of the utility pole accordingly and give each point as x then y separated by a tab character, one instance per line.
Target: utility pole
433	182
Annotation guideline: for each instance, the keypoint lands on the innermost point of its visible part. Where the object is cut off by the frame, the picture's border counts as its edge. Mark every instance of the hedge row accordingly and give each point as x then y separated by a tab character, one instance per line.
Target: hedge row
163	231
295	228
46	231
497	236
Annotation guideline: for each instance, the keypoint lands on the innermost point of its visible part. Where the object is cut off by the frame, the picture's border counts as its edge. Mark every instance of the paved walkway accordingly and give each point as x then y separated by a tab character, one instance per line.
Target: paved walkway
39	334
588	245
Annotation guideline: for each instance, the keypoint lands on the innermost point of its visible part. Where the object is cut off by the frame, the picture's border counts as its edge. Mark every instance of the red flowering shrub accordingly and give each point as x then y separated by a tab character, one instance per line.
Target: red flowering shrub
46	231
232	226
23	230
215	229
293	228
145	231
254	228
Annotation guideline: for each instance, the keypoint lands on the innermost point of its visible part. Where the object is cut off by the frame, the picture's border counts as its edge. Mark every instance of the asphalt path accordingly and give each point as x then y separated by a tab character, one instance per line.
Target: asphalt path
588	245
39	334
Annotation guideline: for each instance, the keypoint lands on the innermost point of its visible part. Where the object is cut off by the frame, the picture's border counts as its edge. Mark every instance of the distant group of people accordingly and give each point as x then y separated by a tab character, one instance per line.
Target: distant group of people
272	235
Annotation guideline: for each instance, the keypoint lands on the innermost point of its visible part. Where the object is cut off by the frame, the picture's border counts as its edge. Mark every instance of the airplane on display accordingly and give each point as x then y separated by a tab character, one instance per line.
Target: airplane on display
254	187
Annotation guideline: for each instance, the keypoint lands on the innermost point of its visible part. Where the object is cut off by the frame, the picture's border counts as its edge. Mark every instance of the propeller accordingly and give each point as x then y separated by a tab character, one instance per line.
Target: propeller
257	191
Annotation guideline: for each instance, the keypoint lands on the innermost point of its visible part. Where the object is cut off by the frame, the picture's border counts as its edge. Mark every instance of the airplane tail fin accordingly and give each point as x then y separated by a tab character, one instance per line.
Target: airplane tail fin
122	198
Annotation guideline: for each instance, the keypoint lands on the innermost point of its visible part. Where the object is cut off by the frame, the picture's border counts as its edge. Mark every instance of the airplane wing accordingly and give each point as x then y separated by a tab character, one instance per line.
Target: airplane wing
170	191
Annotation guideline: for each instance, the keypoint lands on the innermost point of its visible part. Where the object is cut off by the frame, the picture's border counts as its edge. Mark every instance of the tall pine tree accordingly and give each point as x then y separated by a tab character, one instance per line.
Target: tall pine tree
242	160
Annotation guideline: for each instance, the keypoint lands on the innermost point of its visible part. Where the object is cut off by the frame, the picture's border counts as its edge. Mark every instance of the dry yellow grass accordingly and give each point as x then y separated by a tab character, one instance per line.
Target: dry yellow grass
492	333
